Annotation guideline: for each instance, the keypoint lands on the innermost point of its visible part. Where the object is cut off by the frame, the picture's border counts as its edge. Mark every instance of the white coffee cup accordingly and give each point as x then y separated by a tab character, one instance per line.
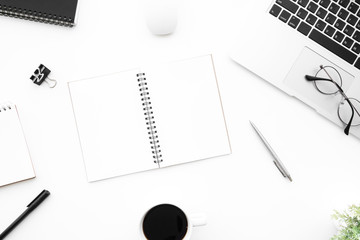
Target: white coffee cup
193	220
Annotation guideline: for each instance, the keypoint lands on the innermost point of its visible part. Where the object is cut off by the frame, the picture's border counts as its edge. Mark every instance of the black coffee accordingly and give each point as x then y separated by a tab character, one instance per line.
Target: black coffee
165	222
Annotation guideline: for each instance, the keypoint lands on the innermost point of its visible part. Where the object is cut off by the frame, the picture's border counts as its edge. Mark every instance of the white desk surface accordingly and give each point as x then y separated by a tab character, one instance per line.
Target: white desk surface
243	195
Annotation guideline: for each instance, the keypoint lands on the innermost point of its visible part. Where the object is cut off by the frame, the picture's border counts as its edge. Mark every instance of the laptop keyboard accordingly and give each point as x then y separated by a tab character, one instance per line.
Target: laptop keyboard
334	24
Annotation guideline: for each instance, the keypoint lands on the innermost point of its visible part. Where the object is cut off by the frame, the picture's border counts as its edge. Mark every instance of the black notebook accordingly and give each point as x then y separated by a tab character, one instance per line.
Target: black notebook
59	12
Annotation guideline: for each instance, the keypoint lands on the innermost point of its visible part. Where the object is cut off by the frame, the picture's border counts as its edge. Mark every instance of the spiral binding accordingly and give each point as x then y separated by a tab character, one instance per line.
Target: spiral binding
150	122
35	16
6	106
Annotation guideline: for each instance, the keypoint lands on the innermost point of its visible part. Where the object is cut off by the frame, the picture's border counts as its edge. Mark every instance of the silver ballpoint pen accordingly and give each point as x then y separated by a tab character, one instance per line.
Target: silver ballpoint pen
276	160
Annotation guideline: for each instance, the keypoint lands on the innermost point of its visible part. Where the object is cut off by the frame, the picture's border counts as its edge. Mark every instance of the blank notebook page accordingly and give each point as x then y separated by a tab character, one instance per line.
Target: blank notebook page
15	162
111	123
188	111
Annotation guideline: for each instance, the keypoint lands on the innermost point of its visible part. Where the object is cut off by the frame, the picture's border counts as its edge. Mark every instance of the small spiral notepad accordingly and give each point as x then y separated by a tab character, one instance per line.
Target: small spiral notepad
59	12
15	162
149	118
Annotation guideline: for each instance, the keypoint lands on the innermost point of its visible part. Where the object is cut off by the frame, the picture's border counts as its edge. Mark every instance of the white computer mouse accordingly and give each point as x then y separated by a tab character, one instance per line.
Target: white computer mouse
161	16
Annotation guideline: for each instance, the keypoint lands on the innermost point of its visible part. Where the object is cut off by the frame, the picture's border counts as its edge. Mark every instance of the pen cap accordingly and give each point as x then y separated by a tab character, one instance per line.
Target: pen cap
39	199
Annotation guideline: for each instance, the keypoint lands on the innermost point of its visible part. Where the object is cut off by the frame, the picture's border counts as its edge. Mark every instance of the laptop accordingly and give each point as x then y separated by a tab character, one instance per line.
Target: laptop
282	41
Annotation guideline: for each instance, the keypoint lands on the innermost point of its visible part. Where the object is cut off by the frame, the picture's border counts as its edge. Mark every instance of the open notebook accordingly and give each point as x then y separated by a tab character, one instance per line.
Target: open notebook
15	162
149	118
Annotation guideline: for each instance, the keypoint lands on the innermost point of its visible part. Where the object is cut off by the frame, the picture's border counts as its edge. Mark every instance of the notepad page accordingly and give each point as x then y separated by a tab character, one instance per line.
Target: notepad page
111	125
188	111
15	162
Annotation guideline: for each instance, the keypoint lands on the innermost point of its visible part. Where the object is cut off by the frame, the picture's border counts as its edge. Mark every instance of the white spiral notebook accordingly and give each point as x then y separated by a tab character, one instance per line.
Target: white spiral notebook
149	118
15	161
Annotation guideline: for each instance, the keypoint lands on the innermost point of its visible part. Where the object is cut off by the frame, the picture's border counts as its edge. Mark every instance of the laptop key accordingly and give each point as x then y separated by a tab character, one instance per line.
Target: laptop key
304	28
330	18
303	3
356	48
332	46
340	24
325	3
356	36
275	10
344	3
321	13
352	19
348	42
312	7
358	25
334	8
343	14
320	25
339	36
353	7
329	31
349	30
284	16
357	64
311	19
302	13
288	5
294	22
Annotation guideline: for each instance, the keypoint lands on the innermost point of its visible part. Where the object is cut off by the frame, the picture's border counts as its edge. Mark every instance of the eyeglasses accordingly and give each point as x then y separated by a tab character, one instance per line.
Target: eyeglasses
328	81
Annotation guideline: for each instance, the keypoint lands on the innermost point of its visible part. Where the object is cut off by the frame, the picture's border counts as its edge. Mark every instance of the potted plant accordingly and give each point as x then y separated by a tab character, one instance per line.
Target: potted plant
348	223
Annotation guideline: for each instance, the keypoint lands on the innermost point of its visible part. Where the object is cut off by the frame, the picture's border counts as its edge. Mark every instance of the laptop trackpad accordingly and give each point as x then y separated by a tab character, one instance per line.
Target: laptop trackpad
308	63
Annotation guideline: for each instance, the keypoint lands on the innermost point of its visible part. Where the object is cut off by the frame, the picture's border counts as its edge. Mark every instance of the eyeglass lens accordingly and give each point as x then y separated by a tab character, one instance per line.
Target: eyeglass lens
344	111
328	88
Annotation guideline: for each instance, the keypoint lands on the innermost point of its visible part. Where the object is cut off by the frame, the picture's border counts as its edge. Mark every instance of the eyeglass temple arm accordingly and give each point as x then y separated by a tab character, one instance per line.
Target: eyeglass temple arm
312	78
347	129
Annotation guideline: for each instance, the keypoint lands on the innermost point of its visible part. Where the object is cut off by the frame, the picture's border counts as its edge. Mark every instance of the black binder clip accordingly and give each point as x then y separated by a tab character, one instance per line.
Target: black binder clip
41	75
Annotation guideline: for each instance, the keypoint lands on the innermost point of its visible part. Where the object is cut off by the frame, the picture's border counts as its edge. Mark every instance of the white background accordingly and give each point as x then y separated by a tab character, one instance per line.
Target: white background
243	195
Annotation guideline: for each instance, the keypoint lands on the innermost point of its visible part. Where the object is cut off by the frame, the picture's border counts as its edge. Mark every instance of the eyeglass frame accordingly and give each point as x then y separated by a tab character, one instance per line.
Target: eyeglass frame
353	109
